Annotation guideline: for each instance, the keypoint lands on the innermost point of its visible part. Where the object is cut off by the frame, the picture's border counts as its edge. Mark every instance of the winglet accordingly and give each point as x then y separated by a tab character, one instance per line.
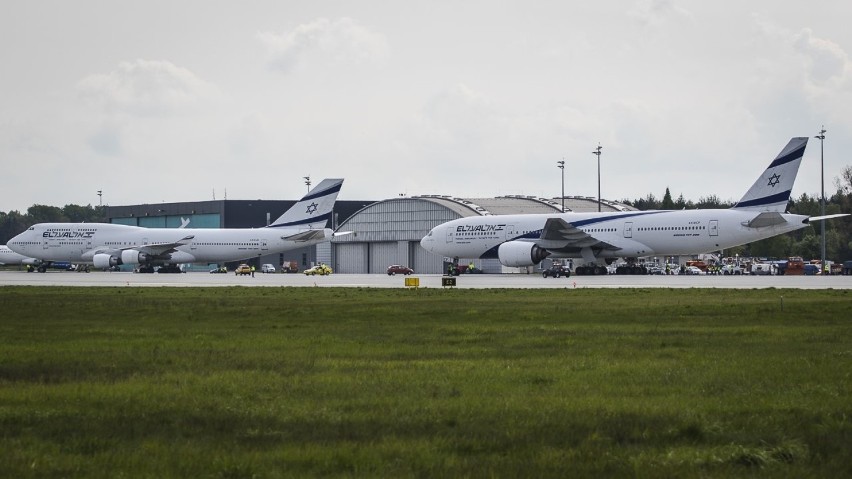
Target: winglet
771	191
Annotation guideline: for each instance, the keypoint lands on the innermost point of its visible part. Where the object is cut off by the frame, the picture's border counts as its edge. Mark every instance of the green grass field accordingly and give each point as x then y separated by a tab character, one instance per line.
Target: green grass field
268	382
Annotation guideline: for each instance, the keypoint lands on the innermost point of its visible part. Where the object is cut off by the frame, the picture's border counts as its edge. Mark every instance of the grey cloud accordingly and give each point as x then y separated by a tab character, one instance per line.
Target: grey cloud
655	12
147	88
106	141
826	60
336	41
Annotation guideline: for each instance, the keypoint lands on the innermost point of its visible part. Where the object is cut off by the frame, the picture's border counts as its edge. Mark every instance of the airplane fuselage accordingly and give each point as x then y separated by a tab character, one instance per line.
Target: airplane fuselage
631	234
79	242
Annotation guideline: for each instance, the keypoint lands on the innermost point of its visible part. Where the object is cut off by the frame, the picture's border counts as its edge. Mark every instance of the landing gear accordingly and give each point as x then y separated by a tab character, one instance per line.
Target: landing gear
631	269
171	268
590	270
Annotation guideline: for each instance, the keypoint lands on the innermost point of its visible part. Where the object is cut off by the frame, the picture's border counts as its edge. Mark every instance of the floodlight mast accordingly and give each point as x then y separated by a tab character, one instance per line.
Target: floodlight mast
561	166
821	138
597	153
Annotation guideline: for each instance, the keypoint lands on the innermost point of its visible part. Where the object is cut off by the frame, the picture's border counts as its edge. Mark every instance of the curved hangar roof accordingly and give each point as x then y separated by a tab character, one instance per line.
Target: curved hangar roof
410	218
518	204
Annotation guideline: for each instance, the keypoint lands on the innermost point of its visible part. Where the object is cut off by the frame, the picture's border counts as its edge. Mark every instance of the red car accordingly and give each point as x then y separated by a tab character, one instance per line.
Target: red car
398	269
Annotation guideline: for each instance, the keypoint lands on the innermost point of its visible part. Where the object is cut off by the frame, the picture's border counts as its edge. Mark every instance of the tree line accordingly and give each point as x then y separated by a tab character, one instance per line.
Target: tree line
15	222
804	242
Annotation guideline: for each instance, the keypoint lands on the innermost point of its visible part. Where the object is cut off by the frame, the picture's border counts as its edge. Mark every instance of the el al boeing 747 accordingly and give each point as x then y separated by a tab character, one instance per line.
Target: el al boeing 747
105	245
7	256
525	240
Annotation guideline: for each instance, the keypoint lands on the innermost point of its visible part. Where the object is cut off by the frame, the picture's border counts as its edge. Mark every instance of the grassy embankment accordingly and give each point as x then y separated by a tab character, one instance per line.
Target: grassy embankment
264	382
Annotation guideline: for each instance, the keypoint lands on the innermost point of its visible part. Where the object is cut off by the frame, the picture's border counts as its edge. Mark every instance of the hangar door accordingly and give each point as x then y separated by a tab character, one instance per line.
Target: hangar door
382	255
350	258
426	262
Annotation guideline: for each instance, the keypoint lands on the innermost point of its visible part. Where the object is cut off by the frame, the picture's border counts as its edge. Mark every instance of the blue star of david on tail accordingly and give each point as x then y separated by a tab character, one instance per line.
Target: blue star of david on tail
774	180
312	208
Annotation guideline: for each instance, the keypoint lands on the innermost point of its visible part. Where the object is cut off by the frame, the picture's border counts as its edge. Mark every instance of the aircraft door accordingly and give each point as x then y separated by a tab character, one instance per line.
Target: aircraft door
628	229
713	229
449	235
264	245
510	232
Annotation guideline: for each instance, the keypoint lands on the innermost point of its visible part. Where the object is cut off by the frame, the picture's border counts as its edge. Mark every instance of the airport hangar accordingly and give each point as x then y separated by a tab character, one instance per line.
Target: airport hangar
382	232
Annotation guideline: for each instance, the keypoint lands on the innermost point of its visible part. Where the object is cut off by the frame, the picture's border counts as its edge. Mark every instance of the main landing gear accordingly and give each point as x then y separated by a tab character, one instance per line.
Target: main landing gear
590	270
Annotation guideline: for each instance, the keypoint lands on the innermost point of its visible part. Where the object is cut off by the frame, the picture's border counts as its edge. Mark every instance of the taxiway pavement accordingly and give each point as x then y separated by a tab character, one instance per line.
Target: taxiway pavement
121	279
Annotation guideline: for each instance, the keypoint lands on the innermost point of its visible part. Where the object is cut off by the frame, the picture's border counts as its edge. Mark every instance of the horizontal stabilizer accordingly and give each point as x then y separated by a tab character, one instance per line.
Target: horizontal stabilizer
309	235
826	217
767	218
342	233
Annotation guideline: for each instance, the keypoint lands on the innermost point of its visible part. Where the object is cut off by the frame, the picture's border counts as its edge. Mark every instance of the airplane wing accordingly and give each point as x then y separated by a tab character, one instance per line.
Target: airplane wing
156	249
559	235
308	235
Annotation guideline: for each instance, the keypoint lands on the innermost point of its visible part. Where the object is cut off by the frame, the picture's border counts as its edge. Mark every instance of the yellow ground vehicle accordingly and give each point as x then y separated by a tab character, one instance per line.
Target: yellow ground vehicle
243	269
320	269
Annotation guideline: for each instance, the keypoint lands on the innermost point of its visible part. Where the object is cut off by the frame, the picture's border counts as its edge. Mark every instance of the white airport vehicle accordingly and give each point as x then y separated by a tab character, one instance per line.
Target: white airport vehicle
598	238
106	245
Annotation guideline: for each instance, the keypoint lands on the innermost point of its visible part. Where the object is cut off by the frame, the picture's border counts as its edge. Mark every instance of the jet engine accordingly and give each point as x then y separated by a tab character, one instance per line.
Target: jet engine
105	260
131	256
521	253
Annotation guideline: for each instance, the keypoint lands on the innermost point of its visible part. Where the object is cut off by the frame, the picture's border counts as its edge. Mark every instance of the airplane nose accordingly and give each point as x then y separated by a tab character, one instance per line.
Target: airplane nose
426	241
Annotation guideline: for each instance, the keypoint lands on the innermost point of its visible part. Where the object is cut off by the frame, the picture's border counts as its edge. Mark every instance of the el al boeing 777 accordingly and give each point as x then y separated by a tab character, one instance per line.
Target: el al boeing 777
525	240
105	245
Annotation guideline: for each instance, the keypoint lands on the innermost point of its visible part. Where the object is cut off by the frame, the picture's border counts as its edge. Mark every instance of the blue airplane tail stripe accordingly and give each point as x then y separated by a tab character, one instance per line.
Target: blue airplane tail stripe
766	200
320	194
305	221
791	156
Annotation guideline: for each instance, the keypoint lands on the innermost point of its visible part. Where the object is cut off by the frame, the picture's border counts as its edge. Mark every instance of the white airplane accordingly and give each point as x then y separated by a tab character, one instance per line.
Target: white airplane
105	245
598	238
7	256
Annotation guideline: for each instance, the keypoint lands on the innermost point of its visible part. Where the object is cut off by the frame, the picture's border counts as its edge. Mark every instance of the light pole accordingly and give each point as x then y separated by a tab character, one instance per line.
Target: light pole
821	137
100	198
597	153
308	182
561	166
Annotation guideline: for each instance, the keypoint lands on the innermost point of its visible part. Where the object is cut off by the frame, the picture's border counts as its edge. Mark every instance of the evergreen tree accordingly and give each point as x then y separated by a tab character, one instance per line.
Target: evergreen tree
668	204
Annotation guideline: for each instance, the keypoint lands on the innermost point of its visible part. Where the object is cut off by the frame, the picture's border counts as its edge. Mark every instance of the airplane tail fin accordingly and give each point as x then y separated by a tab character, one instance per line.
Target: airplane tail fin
771	191
314	210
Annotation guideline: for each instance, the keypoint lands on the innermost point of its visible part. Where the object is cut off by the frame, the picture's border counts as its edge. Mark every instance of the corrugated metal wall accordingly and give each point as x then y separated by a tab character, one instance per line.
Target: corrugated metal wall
382	255
392	229
425	262
350	258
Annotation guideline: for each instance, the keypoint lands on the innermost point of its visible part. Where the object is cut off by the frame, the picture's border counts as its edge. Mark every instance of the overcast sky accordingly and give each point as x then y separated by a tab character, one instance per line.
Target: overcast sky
179	100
